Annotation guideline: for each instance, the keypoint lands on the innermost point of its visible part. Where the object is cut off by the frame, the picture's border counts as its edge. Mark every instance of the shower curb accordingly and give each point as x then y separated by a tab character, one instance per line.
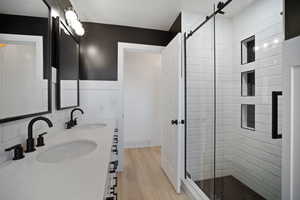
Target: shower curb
192	190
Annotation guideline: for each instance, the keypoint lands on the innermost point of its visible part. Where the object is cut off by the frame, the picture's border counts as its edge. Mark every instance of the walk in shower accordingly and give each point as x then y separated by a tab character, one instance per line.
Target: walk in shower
233	100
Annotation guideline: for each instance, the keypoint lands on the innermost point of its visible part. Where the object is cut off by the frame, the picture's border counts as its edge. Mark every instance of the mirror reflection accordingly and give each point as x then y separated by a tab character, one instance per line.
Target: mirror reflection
24	59
68	67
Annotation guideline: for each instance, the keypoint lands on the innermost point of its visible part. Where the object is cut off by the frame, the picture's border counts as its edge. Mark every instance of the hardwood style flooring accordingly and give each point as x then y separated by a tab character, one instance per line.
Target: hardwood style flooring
143	178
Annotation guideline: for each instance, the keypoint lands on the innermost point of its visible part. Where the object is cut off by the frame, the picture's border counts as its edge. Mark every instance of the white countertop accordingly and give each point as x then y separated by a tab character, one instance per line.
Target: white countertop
82	178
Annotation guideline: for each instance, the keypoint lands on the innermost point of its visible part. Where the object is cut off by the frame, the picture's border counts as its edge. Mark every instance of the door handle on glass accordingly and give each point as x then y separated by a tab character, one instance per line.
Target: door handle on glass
275	134
174	122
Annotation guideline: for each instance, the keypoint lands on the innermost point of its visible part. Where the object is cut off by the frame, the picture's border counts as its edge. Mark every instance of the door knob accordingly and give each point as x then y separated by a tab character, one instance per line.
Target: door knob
174	122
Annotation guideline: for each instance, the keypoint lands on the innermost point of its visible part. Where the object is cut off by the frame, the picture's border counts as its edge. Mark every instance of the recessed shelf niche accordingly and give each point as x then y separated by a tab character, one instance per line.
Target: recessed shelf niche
248	50
248	83
248	116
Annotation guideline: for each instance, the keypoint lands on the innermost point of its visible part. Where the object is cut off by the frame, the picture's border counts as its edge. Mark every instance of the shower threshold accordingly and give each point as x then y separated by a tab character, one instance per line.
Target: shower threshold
228	188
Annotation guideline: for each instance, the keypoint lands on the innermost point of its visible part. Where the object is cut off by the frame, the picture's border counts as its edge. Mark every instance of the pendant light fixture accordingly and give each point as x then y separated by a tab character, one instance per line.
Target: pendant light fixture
73	22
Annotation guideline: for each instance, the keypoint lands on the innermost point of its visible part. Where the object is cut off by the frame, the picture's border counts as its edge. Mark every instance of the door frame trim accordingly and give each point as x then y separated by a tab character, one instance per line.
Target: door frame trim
122	48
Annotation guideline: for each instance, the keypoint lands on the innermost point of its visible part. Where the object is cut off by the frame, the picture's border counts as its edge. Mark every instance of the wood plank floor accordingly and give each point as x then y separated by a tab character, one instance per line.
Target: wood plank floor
143	178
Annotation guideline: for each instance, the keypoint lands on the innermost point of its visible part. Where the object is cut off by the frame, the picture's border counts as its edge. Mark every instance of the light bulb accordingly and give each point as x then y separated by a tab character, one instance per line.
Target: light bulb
80	31
78	28
54	13
71	16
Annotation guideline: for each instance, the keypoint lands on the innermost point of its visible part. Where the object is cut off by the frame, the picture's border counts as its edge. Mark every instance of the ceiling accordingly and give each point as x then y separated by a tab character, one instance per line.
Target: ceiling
33	8
153	14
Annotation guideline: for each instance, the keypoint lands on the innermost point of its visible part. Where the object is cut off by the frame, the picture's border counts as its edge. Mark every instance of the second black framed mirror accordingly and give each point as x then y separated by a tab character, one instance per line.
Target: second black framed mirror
67	63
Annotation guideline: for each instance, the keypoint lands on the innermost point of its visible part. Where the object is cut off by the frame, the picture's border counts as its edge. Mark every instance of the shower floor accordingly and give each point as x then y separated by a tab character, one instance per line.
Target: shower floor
228	188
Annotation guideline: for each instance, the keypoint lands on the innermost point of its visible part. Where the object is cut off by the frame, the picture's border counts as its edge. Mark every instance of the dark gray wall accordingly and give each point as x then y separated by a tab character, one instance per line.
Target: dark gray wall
99	48
292	18
67	50
59	6
176	26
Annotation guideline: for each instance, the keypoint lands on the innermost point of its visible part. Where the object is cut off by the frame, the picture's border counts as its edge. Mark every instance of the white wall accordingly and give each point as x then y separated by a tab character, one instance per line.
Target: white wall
100	100
141	99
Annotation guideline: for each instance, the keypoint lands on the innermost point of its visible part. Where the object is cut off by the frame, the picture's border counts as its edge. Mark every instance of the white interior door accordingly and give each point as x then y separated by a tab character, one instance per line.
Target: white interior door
291	137
170	99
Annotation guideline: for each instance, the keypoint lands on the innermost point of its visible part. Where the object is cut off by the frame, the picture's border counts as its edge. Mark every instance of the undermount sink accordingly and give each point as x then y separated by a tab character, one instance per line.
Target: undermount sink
91	126
67	151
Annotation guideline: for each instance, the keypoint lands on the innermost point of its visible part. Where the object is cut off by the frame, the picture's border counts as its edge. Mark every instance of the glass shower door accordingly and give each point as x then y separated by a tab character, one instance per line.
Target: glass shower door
200	115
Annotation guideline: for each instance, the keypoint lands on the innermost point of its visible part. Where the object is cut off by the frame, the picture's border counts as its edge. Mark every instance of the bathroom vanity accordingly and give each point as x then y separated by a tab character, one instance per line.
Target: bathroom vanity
78	163
39	58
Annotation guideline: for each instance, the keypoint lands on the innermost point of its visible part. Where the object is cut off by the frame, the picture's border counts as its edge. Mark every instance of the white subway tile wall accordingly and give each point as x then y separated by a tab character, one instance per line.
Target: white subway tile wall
253	157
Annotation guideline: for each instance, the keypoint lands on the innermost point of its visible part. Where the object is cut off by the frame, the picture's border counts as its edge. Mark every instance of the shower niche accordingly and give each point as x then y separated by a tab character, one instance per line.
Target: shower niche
248	116
248	50
248	83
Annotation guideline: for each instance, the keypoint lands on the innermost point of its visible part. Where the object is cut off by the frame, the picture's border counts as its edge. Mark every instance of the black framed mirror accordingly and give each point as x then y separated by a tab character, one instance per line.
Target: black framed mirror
67	63
25	56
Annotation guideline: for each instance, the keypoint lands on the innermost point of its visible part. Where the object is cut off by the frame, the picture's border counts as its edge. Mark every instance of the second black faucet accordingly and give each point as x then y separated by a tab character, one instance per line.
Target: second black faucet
73	122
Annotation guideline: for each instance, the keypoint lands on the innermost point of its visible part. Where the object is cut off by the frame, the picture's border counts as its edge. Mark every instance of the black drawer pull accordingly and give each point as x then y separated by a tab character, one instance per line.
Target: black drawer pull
174	122
113	190
116	181
115	164
115	151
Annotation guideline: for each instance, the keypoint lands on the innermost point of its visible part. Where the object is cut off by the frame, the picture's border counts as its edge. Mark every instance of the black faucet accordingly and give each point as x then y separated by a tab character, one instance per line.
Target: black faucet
30	139
73	122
